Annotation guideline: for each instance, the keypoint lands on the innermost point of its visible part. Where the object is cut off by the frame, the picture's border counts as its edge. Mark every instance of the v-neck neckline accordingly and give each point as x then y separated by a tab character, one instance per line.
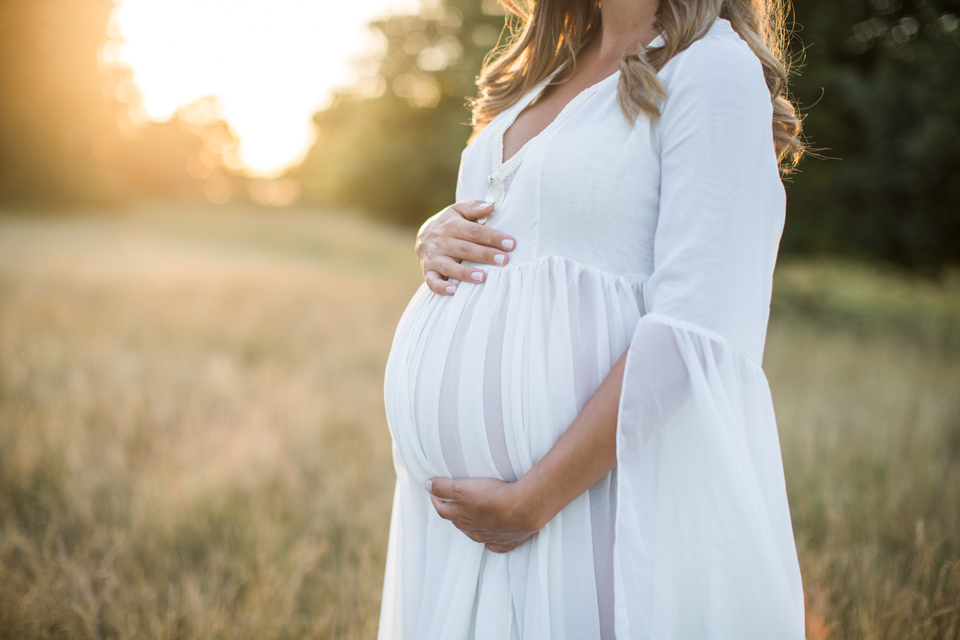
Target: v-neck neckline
500	169
521	106
498	163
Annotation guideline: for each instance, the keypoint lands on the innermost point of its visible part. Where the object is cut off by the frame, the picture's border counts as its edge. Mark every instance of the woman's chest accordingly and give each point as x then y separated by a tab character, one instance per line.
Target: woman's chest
587	188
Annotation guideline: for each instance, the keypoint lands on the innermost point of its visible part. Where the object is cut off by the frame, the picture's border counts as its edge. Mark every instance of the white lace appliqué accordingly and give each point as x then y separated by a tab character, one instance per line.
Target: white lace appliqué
500	170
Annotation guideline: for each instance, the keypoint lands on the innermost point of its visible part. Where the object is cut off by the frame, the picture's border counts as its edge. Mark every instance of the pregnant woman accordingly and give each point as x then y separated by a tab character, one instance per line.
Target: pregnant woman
584	440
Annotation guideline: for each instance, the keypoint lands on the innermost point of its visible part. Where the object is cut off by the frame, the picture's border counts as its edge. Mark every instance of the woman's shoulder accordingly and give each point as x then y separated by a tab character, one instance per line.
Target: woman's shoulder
717	69
720	58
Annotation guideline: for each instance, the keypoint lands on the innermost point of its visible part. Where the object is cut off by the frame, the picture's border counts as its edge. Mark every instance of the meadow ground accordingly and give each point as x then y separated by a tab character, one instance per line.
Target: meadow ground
192	440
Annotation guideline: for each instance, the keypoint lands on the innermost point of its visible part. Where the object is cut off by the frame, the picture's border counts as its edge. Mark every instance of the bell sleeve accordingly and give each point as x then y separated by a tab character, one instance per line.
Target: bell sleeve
704	546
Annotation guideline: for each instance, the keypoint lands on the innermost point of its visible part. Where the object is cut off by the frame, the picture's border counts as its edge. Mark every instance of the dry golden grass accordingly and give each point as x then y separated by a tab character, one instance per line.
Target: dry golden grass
192	441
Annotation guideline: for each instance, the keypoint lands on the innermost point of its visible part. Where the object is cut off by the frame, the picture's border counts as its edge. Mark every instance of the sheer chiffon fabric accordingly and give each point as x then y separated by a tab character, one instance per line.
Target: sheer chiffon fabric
661	237
486	395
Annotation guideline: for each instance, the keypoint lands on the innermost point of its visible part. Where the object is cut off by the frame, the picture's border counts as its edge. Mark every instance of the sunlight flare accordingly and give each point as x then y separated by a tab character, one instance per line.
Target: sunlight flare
270	63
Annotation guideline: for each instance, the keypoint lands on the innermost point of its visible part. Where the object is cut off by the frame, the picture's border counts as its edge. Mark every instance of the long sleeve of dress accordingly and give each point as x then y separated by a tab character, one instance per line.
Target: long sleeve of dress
704	547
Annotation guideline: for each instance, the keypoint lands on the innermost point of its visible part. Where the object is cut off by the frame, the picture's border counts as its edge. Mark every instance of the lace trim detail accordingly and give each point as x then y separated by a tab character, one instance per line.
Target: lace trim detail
500	170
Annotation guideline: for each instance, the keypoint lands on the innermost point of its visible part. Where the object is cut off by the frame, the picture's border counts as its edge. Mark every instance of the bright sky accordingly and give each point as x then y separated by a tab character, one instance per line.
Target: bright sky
272	63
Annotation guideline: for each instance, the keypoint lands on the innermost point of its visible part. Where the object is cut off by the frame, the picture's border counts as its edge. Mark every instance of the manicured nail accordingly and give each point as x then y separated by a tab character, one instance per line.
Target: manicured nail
507	244
477	275
484	205
451	288
499	258
428	485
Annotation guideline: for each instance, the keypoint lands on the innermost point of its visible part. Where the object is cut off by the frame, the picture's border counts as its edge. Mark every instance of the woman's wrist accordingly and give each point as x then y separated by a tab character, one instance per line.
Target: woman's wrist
536	504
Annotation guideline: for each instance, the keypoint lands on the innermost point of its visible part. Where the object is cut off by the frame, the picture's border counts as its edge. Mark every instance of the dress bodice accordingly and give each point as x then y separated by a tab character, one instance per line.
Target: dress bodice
585	188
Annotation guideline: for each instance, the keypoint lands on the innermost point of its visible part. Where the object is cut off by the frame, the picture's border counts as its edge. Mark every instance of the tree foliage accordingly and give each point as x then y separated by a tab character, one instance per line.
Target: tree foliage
878	84
393	147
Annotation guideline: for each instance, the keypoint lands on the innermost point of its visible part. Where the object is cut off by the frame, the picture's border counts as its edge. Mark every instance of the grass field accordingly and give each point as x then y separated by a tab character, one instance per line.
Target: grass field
192	440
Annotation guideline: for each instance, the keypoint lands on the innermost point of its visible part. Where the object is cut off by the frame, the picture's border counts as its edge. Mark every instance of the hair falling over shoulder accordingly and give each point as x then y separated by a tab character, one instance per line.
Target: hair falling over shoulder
546	36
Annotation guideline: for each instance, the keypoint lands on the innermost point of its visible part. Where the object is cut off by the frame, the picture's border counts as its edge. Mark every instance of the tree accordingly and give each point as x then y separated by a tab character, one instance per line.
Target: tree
392	147
879	86
52	107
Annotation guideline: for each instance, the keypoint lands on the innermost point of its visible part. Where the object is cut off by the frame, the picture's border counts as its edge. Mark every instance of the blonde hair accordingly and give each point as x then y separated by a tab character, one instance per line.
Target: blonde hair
547	35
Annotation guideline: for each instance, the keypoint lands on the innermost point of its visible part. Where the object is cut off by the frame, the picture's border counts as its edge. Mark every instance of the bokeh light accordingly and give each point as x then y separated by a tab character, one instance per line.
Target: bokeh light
270	63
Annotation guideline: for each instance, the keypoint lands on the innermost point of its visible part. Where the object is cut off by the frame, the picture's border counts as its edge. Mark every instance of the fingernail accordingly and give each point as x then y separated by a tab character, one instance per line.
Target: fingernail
428	485
484	205
477	275
499	258
507	244
451	289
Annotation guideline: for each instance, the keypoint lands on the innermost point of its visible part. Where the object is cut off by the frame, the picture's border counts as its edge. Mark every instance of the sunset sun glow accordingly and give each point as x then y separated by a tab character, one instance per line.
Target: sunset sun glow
270	63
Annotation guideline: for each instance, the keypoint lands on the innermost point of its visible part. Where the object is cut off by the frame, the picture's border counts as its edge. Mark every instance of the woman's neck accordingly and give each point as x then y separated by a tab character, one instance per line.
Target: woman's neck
625	24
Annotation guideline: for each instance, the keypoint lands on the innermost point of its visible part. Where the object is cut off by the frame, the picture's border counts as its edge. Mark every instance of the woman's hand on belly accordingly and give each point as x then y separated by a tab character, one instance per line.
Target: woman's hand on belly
453	235
487	510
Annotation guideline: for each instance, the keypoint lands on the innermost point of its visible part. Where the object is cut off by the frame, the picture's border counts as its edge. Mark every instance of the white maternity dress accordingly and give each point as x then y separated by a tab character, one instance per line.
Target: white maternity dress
660	236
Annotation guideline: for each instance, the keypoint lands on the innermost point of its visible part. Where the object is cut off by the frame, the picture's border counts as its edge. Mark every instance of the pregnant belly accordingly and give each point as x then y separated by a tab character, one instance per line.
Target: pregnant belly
483	383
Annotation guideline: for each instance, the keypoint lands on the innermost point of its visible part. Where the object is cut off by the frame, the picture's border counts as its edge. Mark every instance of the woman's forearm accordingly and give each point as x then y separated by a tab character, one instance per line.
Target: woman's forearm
582	456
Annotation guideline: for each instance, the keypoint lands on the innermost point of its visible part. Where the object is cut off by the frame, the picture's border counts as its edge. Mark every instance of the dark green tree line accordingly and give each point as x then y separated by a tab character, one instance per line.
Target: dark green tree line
879	86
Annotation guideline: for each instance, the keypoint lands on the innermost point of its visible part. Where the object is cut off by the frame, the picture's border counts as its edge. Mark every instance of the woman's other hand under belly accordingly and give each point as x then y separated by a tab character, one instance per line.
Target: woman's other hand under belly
495	513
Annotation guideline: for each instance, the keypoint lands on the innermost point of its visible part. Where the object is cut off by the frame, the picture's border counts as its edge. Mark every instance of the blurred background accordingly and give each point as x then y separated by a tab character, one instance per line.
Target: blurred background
207	213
